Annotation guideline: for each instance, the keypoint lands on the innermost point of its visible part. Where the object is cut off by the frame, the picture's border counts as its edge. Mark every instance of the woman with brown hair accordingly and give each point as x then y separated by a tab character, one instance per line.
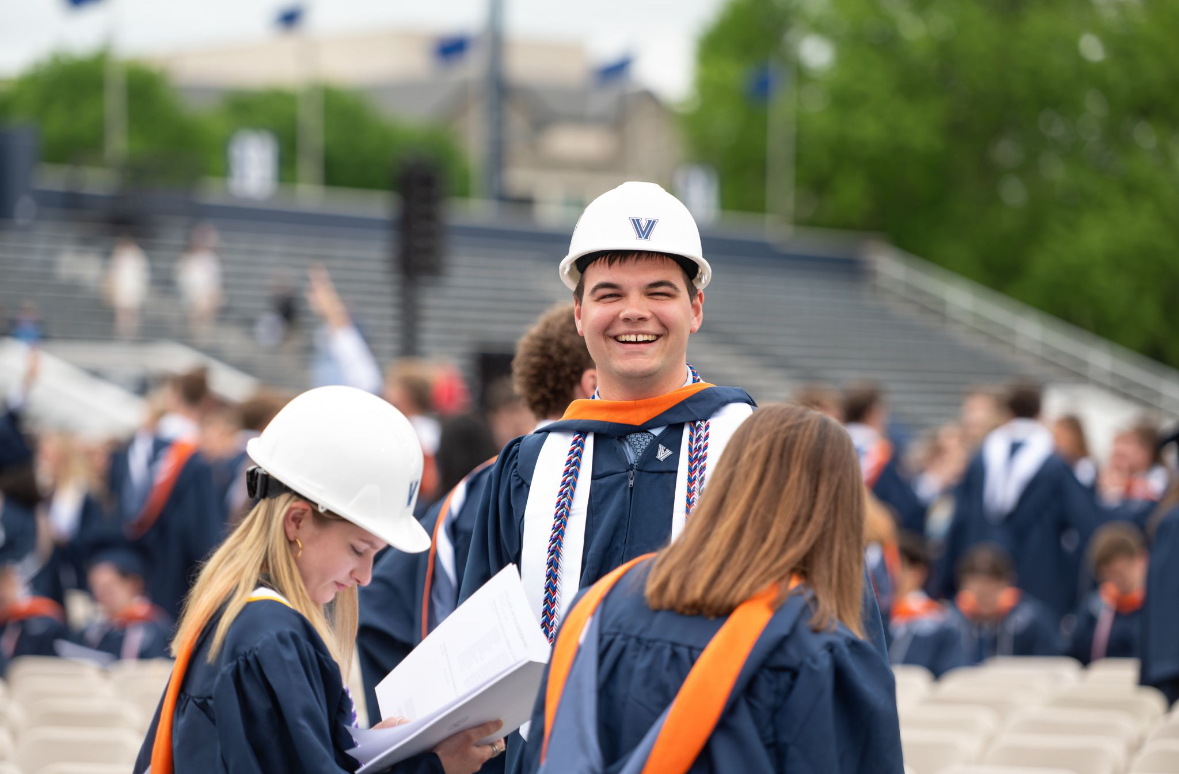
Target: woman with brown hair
739	648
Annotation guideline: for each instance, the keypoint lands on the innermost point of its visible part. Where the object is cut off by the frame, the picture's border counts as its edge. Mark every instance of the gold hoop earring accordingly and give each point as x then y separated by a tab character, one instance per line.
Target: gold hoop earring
300	544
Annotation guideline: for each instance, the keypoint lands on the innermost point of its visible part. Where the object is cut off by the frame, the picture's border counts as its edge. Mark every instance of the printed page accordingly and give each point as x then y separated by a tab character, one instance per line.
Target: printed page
487	636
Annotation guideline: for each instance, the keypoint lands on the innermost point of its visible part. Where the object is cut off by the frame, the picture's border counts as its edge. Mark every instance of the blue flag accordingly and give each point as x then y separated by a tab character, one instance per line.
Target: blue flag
290	18
451	49
614	71
80	3
762	82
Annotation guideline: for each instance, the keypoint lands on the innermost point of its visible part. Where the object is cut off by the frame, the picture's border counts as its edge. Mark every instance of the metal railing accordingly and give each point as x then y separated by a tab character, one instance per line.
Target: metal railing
1027	330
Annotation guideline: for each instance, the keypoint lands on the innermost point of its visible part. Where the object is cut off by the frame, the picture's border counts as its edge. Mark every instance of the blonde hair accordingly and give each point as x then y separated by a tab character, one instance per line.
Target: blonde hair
786	498
258	547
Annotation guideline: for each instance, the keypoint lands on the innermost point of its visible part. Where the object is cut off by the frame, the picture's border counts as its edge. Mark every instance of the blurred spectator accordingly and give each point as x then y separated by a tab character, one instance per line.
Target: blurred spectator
449	394
128	281
131	626
941	459
507	415
995	617
821	398
187	398
1069	438
921	631
1160	623
275	326
983	410
72	515
26	326
341	354
1019	495
1135	472
198	278
167	500
1109	622
29	625
867	419
224	434
409	386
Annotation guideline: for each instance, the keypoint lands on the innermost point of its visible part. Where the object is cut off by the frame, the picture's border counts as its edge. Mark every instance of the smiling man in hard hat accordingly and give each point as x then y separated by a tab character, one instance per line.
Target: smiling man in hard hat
618	475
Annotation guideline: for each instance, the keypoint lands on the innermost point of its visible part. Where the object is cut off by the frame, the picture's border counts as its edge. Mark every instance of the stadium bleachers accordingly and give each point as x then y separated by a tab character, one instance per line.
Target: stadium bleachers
773	320
1035	715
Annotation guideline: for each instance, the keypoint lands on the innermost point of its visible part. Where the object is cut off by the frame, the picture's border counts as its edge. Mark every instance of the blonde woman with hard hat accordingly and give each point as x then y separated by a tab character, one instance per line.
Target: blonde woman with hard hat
268	630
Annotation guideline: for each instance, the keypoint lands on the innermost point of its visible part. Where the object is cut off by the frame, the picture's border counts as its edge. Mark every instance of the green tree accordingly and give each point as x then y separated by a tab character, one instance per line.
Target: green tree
64	97
361	146
1030	146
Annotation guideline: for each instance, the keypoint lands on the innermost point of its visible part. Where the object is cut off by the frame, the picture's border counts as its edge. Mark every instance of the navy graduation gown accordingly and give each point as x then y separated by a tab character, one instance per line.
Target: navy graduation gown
629	512
892	489
928	638
1125	631
821	702
30	627
18	531
1160	623
189	527
272	701
391	604
1045	534
1030	629
143	635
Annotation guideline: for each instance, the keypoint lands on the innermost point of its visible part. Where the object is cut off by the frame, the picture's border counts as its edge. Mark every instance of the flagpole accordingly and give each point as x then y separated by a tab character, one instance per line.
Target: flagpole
773	160
493	177
114	98
790	138
310	120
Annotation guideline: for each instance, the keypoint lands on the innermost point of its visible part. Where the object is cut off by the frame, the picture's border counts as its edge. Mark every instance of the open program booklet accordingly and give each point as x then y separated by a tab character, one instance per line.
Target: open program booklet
484	662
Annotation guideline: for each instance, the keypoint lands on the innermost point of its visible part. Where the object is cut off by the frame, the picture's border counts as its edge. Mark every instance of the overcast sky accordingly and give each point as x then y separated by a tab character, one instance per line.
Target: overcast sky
660	34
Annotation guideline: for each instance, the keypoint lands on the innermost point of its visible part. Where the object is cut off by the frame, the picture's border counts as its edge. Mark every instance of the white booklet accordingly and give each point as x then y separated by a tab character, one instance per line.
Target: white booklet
484	662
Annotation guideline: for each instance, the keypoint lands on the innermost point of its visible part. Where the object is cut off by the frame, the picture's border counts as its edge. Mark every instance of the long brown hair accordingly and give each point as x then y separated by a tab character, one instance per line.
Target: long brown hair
785	499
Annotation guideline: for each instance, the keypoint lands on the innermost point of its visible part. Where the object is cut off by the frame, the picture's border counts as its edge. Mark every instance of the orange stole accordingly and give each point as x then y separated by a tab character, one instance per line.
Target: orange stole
1124	604
631	412
698	705
161	751
33	607
176	457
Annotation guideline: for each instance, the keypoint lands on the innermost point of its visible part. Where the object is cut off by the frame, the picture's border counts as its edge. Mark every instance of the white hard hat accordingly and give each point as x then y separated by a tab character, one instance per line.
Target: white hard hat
636	217
351	453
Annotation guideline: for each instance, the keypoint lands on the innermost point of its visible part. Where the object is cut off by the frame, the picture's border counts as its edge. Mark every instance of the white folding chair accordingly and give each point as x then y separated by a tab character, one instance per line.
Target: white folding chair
1001	699
930	751
1146	704
27	667
1168	729
1037	663
1057	721
976	720
68	713
1071	753
1157	757
41	747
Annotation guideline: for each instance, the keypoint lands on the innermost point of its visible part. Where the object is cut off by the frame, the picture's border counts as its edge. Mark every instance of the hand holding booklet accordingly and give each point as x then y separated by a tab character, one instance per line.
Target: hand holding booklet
484	662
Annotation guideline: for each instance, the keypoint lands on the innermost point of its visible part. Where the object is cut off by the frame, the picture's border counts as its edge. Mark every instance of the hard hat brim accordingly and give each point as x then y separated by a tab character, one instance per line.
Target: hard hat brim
406	535
570	274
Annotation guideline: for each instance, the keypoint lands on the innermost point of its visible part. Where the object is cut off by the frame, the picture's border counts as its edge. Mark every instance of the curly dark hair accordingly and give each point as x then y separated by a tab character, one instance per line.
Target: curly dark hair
550	360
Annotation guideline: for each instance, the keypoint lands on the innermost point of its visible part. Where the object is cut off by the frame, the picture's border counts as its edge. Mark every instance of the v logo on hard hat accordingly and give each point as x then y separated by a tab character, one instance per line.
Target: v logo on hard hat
643	227
413	489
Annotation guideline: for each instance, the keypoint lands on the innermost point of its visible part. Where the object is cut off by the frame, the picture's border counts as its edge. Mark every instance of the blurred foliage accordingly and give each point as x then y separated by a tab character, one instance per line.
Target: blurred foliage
1033	147
64	96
